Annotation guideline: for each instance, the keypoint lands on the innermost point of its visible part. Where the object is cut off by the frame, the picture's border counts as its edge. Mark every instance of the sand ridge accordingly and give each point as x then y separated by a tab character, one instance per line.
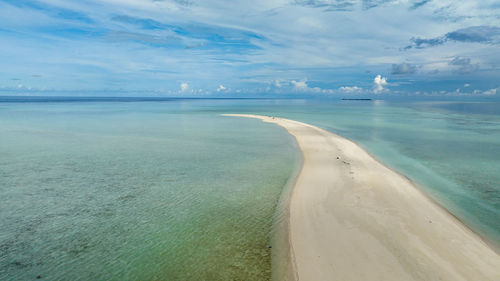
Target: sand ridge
352	218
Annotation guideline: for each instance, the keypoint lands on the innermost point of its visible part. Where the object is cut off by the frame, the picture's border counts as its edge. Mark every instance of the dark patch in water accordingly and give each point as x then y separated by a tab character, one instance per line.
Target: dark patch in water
20	264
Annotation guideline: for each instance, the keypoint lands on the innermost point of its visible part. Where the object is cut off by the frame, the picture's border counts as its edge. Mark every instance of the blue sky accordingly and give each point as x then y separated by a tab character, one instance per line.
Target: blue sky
250	48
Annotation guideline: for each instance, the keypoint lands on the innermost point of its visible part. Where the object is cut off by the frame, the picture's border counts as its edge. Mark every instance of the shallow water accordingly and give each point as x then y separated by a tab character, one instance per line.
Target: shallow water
451	149
137	191
170	190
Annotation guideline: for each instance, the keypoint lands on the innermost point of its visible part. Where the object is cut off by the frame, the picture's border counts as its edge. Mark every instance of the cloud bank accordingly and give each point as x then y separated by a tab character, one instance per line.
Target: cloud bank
192	47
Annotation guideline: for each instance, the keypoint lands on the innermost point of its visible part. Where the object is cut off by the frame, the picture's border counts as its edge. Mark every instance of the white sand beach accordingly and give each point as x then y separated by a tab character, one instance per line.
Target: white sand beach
352	218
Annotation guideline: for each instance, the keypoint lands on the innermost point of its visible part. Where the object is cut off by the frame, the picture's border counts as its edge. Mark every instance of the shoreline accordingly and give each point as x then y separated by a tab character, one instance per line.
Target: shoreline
353	218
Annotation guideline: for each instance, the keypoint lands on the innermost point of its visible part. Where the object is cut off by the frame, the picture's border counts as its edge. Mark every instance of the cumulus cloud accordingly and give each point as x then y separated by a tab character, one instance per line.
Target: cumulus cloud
474	34
184	86
221	88
463	65
403	68
379	83
303	87
350	90
491	92
299	85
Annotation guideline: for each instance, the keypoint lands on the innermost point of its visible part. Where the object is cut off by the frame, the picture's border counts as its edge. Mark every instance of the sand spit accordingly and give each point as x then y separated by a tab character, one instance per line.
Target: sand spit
352	218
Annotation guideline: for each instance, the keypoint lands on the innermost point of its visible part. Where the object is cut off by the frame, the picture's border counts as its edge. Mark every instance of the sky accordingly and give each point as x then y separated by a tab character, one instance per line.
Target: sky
258	48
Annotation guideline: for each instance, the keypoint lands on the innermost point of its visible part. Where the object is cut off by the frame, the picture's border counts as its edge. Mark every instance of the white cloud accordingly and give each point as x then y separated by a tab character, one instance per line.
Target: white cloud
378	84
284	86
491	92
184	86
221	88
466	85
299	85
350	90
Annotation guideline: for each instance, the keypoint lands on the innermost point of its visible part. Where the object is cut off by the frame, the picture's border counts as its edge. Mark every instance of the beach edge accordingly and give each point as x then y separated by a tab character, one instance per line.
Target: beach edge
398	257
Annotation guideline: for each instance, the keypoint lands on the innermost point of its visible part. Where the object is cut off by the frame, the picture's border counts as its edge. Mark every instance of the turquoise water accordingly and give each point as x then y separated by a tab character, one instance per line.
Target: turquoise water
450	149
137	191
169	190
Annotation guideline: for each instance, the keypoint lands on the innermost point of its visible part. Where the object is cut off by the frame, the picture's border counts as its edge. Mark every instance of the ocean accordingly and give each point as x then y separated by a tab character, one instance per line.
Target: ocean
167	189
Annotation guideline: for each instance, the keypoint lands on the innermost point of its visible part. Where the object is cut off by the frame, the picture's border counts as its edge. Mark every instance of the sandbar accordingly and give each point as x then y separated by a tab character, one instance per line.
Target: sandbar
353	218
